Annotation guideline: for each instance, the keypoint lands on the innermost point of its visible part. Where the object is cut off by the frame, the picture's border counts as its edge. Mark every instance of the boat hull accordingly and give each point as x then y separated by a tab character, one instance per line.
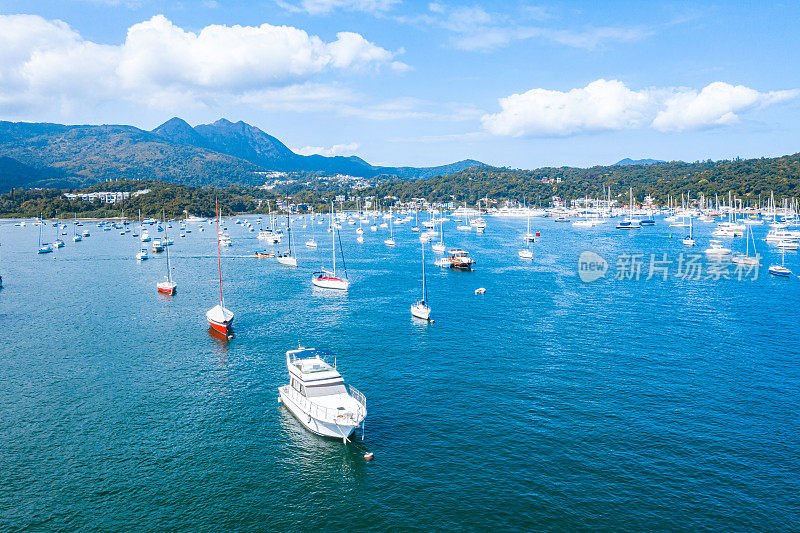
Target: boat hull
167	288
224	329
220	319
315	426
780	272
330	282
421	312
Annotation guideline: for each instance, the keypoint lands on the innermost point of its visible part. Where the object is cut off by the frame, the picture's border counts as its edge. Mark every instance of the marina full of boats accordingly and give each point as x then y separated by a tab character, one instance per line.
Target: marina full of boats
443	232
335	241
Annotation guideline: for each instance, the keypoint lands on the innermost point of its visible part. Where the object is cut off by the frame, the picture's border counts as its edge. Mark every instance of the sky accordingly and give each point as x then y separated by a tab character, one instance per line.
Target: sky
400	82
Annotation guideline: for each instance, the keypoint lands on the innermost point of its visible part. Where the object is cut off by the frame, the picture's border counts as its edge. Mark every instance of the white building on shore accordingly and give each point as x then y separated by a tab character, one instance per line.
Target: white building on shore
107	197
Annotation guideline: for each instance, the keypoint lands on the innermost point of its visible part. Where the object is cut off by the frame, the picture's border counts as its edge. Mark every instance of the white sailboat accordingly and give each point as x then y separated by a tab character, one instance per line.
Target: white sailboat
76	237
415	229
529	237
780	270
439	247
312	242
527	253
630	222
360	230
219	317
746	259
287	258
44	248
689	239
390	240
58	243
329	280
422	309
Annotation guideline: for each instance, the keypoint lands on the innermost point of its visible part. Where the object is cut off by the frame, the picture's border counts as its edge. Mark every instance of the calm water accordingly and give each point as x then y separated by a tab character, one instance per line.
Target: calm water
545	404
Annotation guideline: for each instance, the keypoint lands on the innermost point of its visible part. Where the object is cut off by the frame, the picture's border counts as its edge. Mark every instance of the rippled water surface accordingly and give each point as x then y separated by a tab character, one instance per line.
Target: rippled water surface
545	404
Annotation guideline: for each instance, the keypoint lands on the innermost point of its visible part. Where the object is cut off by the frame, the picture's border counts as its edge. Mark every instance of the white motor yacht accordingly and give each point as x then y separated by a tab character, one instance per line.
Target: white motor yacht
716	249
316	395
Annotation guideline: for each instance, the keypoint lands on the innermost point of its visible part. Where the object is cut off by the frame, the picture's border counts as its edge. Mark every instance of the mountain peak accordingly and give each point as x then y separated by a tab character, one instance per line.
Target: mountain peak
174	122
179	131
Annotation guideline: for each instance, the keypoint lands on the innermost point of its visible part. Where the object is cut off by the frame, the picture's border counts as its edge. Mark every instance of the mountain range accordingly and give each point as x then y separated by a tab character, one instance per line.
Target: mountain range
222	153
629	161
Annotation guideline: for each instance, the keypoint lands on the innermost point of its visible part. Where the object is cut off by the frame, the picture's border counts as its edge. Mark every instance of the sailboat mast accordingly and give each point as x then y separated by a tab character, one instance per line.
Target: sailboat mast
289	229
333	240
166	245
219	256
424	287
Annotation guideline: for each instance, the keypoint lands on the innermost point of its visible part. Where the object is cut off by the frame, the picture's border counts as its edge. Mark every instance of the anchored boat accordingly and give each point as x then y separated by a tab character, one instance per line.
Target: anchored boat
219	317
316	395
167	286
459	259
329	280
422	309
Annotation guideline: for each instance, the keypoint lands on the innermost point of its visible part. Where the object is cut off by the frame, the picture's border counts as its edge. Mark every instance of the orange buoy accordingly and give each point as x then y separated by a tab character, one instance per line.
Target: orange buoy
368	456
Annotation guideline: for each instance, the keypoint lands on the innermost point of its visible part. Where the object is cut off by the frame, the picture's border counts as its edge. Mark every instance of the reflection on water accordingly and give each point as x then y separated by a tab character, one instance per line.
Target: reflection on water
314	458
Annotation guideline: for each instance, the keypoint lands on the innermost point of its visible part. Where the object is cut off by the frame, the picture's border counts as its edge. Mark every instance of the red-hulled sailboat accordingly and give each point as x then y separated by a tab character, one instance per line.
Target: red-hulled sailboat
220	318
167	286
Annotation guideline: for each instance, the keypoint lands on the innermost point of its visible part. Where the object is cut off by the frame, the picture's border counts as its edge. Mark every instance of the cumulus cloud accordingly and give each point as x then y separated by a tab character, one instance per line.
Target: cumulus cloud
610	105
42	59
324	7
716	104
336	149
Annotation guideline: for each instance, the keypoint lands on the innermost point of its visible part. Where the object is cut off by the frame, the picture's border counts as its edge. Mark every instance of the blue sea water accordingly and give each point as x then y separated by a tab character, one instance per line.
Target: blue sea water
544	404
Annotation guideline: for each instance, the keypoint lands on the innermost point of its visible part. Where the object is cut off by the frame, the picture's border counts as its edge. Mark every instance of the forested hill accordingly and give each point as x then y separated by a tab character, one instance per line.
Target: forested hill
746	178
752	180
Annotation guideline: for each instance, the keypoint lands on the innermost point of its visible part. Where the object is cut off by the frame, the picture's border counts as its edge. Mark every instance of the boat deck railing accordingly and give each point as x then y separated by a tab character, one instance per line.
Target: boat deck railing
320	412
358	397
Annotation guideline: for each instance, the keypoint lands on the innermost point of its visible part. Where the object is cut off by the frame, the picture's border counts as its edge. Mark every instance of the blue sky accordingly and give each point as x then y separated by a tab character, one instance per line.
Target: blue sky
520	84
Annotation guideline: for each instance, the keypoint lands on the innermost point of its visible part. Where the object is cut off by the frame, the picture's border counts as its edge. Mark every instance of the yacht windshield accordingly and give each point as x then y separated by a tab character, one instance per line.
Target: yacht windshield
325	390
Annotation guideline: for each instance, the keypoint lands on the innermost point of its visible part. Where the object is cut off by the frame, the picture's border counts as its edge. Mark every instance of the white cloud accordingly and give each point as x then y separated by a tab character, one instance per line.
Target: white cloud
610	105
42	60
717	104
336	149
324	7
600	105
